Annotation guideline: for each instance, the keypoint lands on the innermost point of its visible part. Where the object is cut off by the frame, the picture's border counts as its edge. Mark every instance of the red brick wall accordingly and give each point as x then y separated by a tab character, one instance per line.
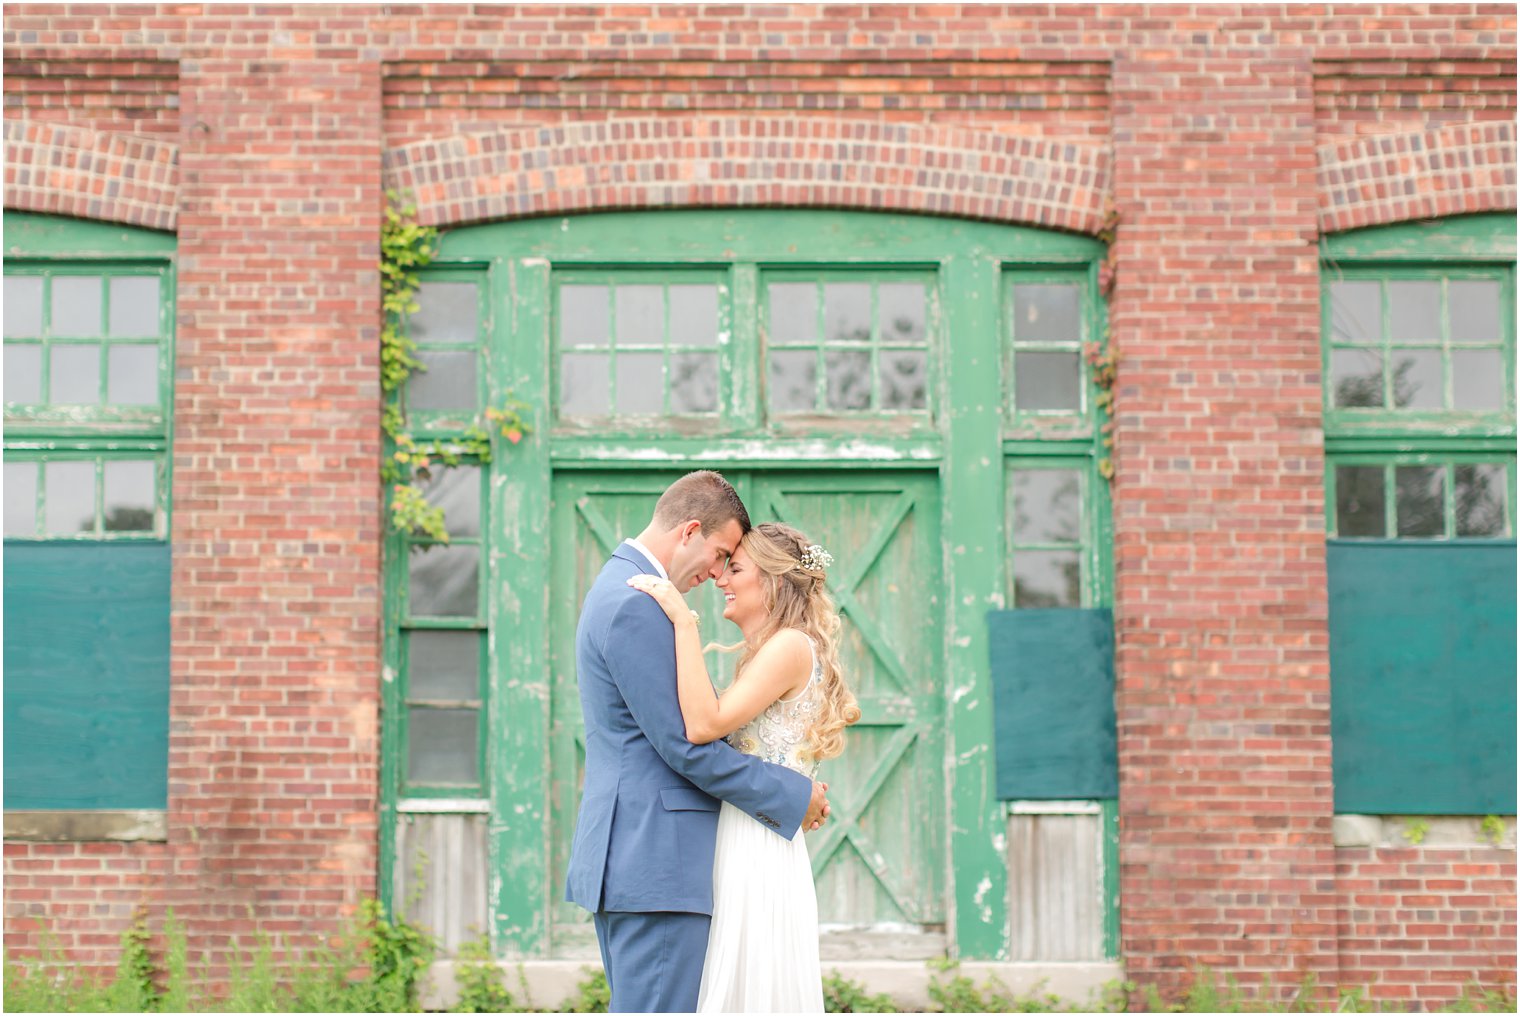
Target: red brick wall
1368	96
106	91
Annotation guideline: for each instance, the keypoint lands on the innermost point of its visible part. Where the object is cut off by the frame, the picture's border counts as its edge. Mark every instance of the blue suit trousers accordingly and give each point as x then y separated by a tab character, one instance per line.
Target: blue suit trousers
653	960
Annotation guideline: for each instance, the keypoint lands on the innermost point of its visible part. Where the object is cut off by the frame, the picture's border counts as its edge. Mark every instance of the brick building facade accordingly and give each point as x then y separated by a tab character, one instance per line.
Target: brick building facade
1231	141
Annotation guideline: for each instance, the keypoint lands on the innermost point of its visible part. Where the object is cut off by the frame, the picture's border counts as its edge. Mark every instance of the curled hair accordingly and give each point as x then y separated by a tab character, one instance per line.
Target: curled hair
795	597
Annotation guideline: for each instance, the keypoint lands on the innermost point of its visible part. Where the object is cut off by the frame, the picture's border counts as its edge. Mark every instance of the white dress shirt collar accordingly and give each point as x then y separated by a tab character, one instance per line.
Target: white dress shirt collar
636	545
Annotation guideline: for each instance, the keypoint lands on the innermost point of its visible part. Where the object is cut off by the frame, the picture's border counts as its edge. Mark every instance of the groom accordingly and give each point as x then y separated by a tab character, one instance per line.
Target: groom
642	857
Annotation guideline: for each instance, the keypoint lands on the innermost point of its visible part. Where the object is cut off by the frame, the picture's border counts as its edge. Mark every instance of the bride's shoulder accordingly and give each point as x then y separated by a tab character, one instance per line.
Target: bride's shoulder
790	645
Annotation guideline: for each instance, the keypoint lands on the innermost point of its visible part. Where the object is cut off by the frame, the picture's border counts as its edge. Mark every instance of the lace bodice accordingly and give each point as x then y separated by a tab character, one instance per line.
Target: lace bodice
779	733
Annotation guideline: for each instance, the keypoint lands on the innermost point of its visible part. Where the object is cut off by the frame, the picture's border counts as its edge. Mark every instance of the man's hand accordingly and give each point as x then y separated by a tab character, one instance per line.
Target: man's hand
818	808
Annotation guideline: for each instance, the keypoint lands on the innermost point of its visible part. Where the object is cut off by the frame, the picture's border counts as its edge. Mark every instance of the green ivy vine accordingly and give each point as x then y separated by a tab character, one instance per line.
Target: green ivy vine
1102	355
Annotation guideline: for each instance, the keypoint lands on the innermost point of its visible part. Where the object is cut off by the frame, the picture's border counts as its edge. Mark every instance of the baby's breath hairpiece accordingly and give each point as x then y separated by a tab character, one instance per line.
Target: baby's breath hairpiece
815	558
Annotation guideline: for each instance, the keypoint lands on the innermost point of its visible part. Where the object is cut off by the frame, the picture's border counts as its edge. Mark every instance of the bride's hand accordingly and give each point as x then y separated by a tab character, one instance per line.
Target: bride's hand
664	594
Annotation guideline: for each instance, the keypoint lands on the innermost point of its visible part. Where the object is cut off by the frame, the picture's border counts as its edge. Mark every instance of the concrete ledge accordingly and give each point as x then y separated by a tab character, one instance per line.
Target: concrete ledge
1388	831
79	826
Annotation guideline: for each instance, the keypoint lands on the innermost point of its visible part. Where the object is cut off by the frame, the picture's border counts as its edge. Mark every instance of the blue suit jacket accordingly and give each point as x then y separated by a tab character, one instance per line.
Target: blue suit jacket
648	818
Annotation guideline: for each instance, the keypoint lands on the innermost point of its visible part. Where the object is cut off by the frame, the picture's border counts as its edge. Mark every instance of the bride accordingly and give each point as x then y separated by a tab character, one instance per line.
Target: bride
788	704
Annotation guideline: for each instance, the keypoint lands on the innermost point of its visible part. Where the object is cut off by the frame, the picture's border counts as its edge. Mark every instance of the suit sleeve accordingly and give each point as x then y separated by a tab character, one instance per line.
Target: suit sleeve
642	663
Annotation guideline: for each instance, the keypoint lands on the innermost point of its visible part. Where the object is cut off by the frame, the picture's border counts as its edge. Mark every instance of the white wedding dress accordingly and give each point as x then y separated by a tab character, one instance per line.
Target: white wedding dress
762	952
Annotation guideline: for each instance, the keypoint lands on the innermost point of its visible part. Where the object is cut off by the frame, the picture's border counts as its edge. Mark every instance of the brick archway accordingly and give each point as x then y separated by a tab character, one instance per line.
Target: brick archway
734	161
90	174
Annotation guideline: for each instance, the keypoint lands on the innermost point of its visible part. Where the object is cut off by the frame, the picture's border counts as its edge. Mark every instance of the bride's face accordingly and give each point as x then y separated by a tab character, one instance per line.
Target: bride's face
743	601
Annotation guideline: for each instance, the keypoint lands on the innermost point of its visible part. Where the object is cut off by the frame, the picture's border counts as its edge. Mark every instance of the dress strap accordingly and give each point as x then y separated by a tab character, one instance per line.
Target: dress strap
813	674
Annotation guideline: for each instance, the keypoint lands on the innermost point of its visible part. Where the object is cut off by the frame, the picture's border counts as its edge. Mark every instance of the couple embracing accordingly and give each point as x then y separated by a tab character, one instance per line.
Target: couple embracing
702	905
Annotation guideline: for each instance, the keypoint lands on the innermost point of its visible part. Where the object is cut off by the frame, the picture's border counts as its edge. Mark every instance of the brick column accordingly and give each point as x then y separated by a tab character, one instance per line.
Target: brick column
1223	699
274	745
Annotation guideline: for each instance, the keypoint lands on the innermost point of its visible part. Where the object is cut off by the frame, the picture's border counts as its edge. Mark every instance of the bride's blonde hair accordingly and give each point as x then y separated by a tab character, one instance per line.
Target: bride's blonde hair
795	597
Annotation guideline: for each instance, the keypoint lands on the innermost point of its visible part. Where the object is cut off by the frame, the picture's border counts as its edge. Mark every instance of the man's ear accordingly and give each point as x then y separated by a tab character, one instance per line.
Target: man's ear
690	528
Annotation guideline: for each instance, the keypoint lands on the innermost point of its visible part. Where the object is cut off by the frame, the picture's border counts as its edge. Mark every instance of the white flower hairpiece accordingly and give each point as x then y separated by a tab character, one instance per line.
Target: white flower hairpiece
815	558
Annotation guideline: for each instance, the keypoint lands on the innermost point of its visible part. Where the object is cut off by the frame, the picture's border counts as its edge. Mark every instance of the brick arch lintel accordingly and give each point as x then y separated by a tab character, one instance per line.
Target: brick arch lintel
1388	178
755	161
90	174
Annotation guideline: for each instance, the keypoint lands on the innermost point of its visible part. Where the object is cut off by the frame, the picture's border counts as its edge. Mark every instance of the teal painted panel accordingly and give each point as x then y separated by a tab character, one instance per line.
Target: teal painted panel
86	675
1422	677
1053	693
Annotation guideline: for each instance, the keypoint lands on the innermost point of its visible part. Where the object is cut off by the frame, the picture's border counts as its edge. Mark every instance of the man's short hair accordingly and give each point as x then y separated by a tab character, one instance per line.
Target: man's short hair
705	496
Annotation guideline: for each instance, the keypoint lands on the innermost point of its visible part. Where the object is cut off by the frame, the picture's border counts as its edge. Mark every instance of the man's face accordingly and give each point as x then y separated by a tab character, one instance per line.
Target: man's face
699	558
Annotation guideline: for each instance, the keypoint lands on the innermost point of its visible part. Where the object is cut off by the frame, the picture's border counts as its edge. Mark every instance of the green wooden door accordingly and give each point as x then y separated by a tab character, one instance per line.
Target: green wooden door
880	862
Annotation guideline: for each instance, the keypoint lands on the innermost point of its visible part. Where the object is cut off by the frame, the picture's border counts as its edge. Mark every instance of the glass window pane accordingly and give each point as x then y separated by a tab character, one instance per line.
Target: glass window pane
21	499
793	380
76	305
1414	310
1357	375
1047	578
134	305
640	383
1419	493
132	375
456	489
1477	379
1416	378
693	315
69	497
847	312
793	312
640	316
74	375
447	383
1356	310
694	383
444	581
901	312
583	387
1047	381
848	379
1047	505
23	374
1474	305
23	306
1481	493
129	496
446	312
1046	314
584	316
904	380
443	665
443	745
1359	501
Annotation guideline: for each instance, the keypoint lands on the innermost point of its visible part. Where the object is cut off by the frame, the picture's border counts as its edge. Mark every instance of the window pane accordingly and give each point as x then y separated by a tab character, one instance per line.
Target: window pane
23	306
448	382
1481	492
694	315
74	377
1419	494
23	374
640	383
1047	578
1047	505
1356	312
584	317
442	745
694	382
640	316
443	665
444	580
583	387
1046	314
134	305
1359	501
847	312
69	497
1416	378
1475	308
132	378
793	380
1357	375
456	489
1414	311
21	499
129	496
901	313
904	380
76	305
1047	381
848	378
446	312
794	312
1477	379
